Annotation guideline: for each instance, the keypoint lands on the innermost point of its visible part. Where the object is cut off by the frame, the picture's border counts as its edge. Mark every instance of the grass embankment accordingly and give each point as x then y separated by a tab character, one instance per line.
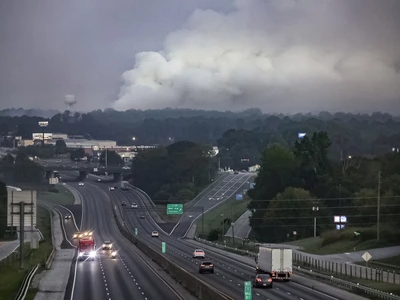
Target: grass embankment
11	276
57	195
335	241
161	210
230	209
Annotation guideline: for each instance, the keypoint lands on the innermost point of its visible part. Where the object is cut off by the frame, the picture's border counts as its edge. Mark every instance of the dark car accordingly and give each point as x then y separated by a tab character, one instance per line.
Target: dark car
236	172
67	217
142	216
262	280
123	203
206	267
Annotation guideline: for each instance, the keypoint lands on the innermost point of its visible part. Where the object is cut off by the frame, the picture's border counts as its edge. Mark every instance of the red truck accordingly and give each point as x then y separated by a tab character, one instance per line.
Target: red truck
86	248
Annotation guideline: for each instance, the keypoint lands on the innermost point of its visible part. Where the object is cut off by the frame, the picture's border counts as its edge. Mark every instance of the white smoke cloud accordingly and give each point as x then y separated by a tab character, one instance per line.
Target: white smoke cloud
279	55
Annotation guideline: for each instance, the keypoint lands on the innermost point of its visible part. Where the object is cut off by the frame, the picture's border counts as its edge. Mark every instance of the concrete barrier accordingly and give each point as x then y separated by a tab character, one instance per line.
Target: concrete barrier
194	285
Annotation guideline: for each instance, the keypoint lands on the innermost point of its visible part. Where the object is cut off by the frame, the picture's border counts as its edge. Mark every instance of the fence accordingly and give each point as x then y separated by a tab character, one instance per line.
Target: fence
345	269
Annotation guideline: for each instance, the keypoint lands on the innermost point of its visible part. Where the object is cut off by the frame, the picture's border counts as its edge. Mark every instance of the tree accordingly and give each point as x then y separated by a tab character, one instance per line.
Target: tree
77	154
113	158
278	171
289	211
3	209
61	147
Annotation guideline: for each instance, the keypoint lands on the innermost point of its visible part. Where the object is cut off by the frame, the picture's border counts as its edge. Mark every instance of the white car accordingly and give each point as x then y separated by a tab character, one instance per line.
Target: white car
199	253
134	205
126	168
98	179
154	234
112	188
81	184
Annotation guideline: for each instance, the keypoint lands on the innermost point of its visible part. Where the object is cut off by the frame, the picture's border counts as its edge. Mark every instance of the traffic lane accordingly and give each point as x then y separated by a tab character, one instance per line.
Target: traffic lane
205	203
116	277
223	279
235	275
138	273
89	281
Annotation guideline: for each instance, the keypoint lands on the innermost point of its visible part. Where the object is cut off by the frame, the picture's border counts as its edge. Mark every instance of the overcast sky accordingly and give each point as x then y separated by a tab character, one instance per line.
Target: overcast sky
280	55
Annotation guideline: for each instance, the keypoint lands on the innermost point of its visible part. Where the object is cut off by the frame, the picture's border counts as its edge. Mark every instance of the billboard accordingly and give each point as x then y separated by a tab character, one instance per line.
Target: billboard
239	197
39	136
15	197
300	135
339	219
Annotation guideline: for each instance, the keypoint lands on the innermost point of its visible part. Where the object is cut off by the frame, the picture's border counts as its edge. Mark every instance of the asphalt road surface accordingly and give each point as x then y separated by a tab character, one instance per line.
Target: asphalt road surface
127	277
217	194
229	274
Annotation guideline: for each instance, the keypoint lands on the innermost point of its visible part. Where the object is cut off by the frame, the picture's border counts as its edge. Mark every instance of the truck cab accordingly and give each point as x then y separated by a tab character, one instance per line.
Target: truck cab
86	249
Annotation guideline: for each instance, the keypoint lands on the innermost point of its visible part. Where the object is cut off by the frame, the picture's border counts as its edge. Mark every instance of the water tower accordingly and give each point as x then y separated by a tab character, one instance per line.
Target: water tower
70	101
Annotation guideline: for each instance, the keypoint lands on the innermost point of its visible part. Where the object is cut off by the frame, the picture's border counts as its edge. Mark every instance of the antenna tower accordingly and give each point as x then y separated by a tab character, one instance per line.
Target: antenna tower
70	101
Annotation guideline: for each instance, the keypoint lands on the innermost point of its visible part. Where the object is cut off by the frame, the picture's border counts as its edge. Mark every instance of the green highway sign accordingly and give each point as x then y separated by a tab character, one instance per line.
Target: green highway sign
136	231
247	291
174	209
163	247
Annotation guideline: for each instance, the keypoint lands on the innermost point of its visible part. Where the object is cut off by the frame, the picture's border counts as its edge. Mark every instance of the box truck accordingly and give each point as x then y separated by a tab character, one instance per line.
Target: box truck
277	262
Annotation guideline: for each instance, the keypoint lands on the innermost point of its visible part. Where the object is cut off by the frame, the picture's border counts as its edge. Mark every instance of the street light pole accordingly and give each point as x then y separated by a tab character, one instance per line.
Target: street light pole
43	124
106	158
315	209
378	209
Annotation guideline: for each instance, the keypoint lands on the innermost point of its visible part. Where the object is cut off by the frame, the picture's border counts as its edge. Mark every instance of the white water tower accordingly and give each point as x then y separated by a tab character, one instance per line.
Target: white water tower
70	101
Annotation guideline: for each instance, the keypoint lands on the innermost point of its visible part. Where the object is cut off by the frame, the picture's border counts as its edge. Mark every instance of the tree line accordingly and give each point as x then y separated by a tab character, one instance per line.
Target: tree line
175	173
299	183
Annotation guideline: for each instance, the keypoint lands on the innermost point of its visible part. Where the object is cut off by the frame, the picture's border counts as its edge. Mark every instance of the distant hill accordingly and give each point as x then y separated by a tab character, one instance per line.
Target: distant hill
19	112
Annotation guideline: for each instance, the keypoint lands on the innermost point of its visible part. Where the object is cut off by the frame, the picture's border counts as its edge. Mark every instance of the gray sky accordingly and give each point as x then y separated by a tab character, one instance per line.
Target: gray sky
279	55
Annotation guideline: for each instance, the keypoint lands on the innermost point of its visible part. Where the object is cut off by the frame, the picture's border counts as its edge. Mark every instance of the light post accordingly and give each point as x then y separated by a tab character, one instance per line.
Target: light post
315	210
43	124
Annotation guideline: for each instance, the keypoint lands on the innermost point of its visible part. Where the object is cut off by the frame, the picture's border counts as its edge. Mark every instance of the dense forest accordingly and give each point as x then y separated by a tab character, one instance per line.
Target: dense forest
240	136
299	183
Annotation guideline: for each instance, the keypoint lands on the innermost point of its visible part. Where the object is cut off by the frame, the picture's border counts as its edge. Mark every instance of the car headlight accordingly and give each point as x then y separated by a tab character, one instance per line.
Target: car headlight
114	253
92	253
104	245
80	254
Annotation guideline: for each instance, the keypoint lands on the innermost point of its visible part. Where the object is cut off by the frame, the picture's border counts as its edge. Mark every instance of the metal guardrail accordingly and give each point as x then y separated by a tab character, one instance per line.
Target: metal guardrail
345	283
350	285
26	283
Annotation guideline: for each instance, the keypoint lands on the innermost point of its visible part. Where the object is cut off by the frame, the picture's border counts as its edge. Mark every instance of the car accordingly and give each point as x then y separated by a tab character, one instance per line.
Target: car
107	245
142	216
206	266
112	188
126	168
68	217
134	205
199	253
114	254
81	184
123	203
262	280
98	180
235	172
154	234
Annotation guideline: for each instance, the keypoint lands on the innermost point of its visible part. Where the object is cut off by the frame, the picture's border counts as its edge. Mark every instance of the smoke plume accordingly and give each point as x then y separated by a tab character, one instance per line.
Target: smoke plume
280	55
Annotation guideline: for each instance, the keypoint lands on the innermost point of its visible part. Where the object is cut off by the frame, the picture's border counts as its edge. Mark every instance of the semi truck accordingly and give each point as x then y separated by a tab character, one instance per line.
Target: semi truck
124	185
86	248
277	262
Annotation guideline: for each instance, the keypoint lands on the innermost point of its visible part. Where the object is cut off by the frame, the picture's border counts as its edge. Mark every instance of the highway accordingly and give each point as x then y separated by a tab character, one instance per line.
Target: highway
229	274
130	276
224	189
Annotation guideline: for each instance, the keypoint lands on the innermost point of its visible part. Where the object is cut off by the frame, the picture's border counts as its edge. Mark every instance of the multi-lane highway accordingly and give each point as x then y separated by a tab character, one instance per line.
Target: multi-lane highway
229	274
130	276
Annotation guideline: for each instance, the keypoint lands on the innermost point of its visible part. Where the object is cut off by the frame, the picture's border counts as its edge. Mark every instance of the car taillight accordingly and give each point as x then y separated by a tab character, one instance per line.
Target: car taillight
259	279
211	265
269	280
202	265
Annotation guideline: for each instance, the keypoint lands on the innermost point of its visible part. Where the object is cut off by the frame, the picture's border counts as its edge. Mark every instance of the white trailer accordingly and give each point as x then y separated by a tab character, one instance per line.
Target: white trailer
277	262
124	185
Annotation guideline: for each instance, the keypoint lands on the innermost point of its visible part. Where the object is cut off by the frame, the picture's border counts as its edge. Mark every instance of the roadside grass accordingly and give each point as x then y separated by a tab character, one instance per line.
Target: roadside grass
231	209
390	264
315	245
161	210
11	276
62	197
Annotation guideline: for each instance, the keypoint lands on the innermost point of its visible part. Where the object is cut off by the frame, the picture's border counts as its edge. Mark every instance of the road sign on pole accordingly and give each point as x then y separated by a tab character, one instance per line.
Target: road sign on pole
248	295
366	257
136	231
174	209
163	247
239	197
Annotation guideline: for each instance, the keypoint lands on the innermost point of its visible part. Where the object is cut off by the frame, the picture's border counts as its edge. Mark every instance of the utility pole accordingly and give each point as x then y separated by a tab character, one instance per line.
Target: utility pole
106	158
233	226
378	209
21	234
219	163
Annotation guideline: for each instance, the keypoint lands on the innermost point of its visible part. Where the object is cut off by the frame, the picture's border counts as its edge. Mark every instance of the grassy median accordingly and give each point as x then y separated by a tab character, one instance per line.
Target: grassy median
57	195
11	276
